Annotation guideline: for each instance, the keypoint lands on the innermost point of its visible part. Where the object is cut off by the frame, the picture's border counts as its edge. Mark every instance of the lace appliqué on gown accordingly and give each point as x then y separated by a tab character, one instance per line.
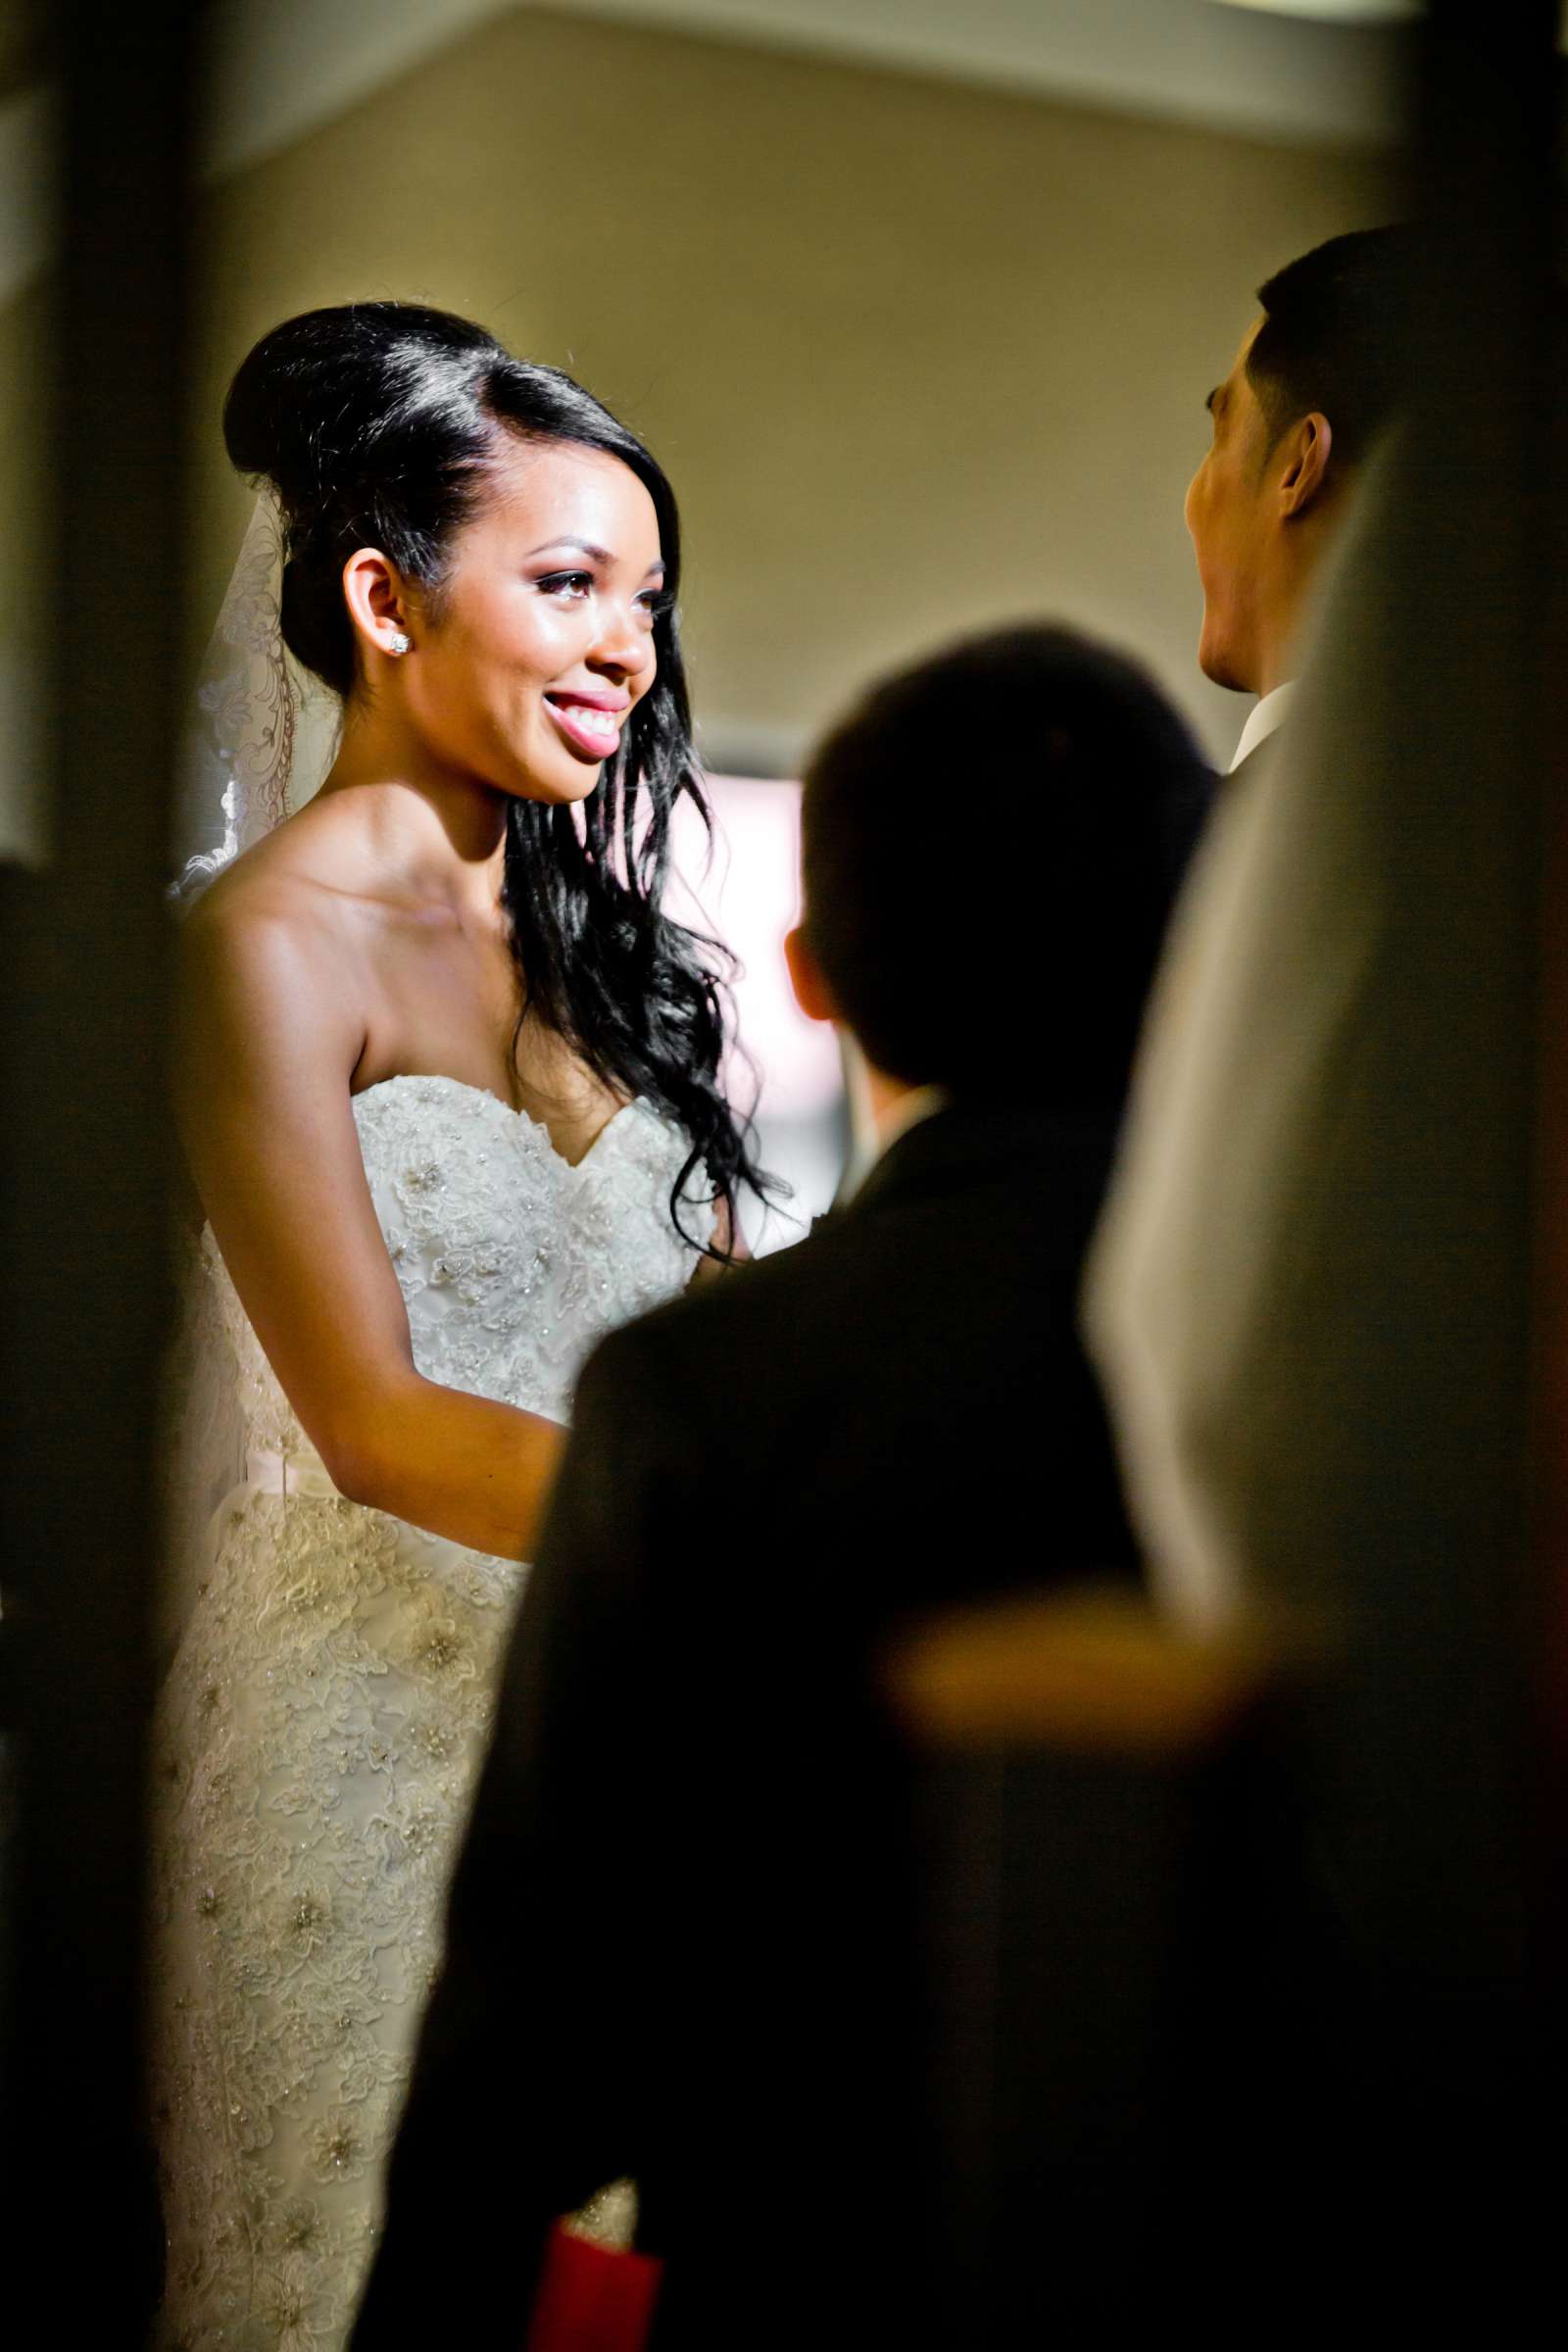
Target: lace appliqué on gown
325	1713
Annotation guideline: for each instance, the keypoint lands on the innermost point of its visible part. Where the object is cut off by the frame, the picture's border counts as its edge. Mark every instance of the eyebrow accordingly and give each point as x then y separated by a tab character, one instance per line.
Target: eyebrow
586	547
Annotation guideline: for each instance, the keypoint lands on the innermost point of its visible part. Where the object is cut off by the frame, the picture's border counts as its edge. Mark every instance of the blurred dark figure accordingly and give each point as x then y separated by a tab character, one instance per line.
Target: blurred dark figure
1328	1297
681	1938
66	1912
17	891
1317	378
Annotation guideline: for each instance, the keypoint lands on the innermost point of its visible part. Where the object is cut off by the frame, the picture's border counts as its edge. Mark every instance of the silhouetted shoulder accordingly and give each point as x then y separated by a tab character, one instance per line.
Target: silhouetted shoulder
972	1250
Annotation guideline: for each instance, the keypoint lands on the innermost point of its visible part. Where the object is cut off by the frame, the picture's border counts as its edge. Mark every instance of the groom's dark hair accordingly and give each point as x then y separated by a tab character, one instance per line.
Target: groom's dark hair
1012	953
1335	335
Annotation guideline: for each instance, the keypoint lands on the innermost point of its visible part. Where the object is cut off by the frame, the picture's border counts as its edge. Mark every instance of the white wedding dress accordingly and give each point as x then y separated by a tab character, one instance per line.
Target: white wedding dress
325	1710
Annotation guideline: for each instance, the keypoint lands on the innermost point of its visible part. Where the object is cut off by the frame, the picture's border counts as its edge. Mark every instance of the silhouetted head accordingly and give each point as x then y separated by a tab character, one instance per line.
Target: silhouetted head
1011	963
1317	378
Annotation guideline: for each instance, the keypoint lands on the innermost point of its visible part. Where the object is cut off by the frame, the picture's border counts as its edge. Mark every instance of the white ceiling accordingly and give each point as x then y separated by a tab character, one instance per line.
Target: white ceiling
1231	67
1271	67
283	66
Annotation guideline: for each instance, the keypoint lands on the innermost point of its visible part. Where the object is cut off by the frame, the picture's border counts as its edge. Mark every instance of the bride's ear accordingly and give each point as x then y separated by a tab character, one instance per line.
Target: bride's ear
378	603
812	992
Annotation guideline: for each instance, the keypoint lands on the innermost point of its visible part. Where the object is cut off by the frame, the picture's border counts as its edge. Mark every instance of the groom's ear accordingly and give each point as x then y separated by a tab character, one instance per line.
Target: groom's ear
812	992
1304	475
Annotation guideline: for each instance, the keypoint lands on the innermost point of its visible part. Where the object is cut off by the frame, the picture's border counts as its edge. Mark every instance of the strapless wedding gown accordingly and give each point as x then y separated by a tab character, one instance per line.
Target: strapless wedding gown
325	1711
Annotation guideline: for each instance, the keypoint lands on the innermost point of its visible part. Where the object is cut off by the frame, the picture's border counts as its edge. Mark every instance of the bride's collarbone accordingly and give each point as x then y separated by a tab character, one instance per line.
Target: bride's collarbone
443	998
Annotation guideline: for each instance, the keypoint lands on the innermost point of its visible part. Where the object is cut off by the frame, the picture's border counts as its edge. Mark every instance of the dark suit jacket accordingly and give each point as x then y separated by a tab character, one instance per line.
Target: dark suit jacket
680	1933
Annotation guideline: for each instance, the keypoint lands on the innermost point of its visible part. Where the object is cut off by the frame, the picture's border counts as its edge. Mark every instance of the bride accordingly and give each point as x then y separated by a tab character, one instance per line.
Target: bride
448	1086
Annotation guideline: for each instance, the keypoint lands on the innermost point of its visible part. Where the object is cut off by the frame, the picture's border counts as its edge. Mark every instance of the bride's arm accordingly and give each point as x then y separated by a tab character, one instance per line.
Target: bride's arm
271	1030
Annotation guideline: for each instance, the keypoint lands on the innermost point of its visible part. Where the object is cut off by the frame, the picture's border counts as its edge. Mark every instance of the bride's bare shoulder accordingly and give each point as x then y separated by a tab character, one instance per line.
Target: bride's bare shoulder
278	922
275	990
293	883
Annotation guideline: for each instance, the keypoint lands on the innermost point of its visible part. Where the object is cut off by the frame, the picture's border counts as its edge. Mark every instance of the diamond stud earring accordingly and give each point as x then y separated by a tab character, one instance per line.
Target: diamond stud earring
399	644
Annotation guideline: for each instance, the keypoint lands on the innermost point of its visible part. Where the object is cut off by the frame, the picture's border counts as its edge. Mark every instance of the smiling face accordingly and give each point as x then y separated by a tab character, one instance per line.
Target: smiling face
529	659
1231	513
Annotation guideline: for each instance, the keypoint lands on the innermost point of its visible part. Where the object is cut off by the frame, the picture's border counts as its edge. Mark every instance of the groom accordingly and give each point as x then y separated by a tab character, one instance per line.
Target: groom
1316	381
680	1942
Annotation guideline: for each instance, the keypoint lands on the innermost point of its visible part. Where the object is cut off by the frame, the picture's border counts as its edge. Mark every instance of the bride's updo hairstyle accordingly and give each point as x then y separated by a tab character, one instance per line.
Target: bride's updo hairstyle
381	425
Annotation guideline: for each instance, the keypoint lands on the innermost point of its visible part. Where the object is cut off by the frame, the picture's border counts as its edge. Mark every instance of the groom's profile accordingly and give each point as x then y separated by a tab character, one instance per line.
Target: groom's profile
1314	383
679	1941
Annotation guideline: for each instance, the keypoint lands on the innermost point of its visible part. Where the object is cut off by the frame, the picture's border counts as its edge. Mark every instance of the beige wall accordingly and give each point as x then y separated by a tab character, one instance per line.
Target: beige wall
917	357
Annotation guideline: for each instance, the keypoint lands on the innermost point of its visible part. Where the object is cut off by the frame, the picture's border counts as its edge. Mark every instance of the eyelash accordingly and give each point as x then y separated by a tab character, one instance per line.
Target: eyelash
653	601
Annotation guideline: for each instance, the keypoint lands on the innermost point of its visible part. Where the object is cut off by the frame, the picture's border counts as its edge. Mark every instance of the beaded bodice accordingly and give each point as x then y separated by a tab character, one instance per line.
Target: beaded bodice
511	1260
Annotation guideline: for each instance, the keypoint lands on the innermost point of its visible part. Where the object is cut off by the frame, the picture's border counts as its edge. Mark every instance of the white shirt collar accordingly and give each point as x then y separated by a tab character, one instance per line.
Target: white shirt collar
869	1138
1262	719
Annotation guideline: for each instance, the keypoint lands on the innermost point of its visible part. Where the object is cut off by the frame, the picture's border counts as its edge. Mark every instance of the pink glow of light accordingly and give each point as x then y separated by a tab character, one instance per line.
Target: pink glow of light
748	898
